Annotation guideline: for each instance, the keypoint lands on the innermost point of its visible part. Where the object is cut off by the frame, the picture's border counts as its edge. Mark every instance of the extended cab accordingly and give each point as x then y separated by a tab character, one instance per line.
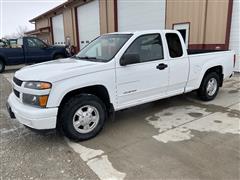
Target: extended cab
114	72
29	50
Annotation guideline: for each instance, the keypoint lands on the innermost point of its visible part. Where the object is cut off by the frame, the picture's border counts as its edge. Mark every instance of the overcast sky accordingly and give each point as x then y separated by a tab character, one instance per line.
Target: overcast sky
15	13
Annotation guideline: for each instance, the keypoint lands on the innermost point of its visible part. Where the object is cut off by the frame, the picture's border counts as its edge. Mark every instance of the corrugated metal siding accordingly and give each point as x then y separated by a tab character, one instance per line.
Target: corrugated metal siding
187	11
42	23
68	24
208	19
216	21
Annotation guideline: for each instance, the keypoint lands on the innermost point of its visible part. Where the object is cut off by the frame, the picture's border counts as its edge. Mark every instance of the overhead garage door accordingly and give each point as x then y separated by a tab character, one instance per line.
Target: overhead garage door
234	35
140	15
88	22
58	30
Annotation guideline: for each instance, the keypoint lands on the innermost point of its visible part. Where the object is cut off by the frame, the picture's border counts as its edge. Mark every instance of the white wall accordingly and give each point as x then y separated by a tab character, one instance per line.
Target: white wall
141	15
235	32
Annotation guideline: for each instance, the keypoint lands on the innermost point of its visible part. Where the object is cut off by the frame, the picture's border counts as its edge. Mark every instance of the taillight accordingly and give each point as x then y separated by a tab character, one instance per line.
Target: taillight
234	60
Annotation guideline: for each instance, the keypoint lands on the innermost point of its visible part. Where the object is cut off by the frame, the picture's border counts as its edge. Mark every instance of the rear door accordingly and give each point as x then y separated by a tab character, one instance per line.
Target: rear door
15	54
36	51
144	81
178	63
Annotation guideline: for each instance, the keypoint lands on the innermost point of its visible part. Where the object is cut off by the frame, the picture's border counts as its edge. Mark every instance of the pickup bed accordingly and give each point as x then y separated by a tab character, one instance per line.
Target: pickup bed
114	72
29	50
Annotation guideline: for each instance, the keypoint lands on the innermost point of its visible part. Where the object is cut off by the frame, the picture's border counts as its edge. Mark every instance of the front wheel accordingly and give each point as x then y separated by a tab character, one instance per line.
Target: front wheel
2	66
83	117
58	56
209	87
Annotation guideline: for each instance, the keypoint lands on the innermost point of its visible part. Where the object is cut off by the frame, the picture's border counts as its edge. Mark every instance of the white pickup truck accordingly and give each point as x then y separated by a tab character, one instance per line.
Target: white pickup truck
114	72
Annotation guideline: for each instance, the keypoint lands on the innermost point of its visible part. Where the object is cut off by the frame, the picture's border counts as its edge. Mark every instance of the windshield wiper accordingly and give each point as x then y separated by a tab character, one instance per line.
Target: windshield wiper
89	58
85	57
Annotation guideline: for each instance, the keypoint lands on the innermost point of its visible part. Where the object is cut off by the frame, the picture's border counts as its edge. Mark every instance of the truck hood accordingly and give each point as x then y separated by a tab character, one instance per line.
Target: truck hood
57	70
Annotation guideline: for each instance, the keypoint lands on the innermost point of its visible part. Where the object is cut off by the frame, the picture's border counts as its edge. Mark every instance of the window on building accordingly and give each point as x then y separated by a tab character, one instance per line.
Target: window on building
148	47
183	28
174	45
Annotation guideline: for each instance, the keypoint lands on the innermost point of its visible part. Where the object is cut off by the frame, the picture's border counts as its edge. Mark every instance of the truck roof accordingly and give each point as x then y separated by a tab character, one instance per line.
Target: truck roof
145	31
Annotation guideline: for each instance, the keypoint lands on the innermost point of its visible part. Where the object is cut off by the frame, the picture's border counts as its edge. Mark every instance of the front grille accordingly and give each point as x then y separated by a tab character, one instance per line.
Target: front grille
17	81
16	93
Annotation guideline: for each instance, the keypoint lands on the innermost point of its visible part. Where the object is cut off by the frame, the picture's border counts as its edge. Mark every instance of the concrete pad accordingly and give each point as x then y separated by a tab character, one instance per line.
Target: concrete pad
228	95
174	138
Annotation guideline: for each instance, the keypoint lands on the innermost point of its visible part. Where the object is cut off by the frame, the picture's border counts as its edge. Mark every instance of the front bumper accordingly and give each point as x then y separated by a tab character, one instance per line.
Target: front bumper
36	118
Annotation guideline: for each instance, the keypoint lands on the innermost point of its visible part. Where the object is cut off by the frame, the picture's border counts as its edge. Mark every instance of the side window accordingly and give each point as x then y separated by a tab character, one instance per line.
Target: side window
174	45
148	47
39	44
35	43
31	43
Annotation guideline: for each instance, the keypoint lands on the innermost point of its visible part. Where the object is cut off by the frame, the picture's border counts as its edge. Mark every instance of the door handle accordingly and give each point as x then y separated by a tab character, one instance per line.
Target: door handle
162	66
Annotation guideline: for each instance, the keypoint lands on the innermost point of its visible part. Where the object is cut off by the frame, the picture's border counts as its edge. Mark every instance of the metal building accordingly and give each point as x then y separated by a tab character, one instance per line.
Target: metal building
204	24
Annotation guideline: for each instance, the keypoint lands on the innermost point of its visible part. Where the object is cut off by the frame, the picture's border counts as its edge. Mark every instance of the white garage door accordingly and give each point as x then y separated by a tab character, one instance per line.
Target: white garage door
235	32
141	15
58	30
88	22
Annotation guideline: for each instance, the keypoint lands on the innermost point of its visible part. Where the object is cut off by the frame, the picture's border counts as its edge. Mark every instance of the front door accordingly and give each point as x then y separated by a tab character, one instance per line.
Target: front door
37	51
146	80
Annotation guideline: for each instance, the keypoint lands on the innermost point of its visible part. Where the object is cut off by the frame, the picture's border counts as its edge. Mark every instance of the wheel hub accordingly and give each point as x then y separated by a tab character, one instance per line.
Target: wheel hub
85	119
212	86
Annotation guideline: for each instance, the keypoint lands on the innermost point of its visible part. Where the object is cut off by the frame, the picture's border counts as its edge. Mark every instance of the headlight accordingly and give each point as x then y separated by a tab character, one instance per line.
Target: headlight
35	100
37	85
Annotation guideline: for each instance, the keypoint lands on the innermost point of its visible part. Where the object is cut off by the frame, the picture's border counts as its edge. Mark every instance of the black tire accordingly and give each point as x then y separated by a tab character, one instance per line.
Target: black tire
69	110
203	92
2	66
58	56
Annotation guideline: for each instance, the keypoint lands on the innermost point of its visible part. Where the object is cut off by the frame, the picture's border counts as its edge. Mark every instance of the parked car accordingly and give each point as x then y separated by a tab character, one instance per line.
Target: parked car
114	72
29	50
3	43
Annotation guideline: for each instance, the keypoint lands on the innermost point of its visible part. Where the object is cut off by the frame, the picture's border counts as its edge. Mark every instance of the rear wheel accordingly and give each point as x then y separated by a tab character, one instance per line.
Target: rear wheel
83	117
2	66
209	87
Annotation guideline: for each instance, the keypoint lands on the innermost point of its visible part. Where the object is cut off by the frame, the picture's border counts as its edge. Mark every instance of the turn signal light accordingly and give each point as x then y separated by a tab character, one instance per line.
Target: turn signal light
43	101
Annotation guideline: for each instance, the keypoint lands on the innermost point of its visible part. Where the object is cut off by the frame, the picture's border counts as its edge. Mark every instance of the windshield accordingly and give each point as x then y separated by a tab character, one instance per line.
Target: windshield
104	48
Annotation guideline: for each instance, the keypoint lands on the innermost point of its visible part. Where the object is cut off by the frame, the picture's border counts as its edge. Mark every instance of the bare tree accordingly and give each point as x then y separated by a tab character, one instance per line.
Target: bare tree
20	32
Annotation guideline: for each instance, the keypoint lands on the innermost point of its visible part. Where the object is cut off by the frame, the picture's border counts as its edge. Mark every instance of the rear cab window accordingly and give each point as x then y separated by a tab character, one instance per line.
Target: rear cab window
174	45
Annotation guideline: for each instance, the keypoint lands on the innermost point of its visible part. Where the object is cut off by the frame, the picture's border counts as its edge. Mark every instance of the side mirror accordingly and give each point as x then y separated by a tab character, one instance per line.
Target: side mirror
44	47
129	59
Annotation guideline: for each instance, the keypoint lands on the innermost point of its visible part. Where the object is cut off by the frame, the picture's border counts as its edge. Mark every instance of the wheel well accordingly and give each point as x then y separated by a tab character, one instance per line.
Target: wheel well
98	90
57	54
218	70
2	59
